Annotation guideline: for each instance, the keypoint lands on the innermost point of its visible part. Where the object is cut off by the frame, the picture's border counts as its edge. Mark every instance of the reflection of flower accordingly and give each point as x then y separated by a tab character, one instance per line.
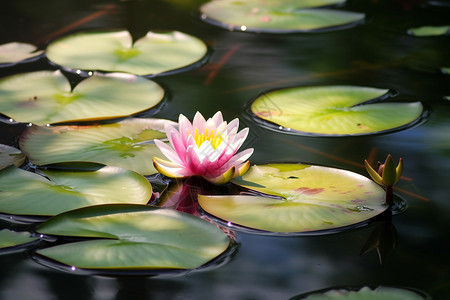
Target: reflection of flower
386	174
204	148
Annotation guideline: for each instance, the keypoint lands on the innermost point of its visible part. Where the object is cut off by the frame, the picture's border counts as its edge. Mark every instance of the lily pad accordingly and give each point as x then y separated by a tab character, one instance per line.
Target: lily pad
134	237
11	239
334	110
297	198
115	51
127	144
27	193
15	52
366	293
284	16
46	97
430	30
10	156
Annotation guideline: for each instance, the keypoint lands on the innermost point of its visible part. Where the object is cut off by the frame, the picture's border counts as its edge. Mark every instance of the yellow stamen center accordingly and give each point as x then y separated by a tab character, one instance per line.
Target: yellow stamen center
214	139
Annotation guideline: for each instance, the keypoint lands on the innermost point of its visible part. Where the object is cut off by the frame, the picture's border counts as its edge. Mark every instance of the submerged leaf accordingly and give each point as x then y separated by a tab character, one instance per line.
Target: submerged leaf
282	16
46	97
139	237
127	144
115	51
334	110
25	193
298	198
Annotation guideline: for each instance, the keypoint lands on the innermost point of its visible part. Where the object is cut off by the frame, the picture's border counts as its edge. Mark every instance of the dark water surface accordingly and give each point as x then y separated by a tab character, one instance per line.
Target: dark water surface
377	53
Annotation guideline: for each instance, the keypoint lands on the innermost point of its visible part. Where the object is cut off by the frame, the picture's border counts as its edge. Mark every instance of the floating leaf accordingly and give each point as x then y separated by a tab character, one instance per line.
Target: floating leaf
445	70
9	239
298	198
366	293
282	16
26	193
127	144
115	51
14	52
46	97
134	237
334	110
10	156
430	30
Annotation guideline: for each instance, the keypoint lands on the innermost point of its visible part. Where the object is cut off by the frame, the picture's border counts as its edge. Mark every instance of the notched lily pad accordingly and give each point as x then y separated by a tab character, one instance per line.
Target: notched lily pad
127	144
334	111
10	156
430	30
284	16
133	237
15	52
366	293
297	198
46	97
29	194
11	241
115	51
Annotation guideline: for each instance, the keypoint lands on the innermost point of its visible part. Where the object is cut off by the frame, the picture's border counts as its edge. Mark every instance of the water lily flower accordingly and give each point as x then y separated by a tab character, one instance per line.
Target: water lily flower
386	174
205	148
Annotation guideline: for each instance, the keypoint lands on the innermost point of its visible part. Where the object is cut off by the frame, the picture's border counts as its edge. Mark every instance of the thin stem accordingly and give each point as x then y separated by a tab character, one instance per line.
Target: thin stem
389	195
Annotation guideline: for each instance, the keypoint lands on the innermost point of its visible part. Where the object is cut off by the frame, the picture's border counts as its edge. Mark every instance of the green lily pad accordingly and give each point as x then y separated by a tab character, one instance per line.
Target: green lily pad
14	52
9	239
26	193
284	16
134	237
298	198
430	30
334	110
46	97
366	293
10	156
115	51
127	144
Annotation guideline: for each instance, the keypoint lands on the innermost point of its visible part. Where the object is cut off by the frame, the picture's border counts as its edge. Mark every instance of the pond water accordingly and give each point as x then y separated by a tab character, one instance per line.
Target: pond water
241	66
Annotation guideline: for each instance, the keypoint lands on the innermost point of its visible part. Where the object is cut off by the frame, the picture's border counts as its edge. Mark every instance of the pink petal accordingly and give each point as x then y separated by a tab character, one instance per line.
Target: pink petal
204	151
241	156
217	118
214	155
199	122
221	128
237	160
193	162
170	169
191	142
184	126
239	140
232	129
231	149
177	143
168	152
